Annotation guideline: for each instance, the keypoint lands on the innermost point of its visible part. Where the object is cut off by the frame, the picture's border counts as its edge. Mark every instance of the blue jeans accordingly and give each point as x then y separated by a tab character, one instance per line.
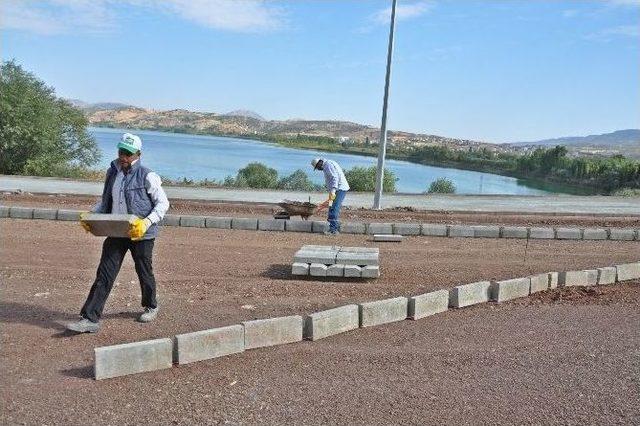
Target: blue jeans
334	211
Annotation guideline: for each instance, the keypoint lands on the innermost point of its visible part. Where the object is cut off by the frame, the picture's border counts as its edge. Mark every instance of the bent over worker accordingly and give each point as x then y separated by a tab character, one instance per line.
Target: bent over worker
337	185
129	188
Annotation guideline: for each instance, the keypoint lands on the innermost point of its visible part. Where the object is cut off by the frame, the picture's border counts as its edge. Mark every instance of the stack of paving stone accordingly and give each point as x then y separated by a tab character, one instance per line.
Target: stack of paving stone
335	261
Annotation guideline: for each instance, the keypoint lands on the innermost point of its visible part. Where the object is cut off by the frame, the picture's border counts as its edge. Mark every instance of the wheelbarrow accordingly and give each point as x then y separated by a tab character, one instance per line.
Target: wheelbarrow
296	208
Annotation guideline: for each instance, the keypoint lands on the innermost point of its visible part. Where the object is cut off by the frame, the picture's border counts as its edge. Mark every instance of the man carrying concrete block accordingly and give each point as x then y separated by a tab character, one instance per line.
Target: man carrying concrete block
129	188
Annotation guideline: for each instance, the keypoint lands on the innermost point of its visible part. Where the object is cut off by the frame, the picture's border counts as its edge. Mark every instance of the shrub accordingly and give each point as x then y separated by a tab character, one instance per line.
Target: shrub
257	175
297	181
627	192
442	186
363	179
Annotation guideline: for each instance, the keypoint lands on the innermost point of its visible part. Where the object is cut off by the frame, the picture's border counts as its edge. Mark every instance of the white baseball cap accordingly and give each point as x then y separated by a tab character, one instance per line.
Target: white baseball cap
314	162
131	143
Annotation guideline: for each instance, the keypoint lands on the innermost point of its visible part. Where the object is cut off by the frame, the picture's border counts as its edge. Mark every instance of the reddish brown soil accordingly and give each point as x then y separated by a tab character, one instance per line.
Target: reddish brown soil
568	356
360	215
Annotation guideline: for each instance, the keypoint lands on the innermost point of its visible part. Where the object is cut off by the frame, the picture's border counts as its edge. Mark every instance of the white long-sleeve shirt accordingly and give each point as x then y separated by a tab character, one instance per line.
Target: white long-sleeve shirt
334	176
153	185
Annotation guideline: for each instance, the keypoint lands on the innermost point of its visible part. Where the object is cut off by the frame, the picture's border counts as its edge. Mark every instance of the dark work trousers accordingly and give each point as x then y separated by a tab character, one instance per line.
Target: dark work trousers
113	252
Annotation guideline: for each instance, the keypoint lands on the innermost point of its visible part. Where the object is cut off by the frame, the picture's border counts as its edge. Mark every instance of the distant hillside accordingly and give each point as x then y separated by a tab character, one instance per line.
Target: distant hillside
620	137
244	113
624	142
249	124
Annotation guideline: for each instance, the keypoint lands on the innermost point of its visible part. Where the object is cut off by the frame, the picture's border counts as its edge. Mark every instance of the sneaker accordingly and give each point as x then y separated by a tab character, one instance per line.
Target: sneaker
148	315
331	233
84	326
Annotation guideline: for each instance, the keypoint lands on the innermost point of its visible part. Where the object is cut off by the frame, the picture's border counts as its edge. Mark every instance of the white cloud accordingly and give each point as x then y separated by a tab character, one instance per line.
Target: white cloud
56	16
620	31
403	12
97	16
232	15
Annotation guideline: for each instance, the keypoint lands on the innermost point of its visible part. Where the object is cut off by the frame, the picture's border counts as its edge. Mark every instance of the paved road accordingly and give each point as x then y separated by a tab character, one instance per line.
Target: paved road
479	203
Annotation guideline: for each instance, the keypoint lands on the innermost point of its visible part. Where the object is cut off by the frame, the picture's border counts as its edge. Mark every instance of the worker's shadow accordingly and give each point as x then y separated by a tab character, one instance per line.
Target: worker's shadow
43	317
283	272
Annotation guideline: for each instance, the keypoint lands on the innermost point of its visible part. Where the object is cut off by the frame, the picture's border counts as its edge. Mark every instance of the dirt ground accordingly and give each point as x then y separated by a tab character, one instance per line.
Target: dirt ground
212	208
567	356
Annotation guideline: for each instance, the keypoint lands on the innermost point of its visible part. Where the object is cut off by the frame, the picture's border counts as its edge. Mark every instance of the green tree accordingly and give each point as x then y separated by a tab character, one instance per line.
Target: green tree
257	175
363	179
40	134
297	181
442	186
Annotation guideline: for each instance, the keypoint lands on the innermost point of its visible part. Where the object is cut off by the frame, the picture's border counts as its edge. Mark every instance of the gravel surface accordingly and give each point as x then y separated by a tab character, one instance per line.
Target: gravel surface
349	214
567	356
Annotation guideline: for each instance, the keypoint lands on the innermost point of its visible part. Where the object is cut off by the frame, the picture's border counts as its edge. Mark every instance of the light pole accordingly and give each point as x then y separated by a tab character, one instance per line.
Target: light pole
383	127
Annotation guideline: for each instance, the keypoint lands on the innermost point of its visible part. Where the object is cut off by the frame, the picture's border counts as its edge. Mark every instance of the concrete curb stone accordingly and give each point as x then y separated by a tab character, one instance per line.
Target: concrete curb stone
192	221
514	232
620	234
335	270
246	224
434	230
4	211
383	311
592	276
428	304
396	238
539	282
628	271
353	228
209	344
218	222
568	233
171	220
406	228
463	231
21	212
299	268
331	322
607	275
553	280
70	215
46	214
510	289
271	225
318	270
319	226
486	231
352	271
469	294
131	358
272	331
595	234
572	278
298	226
371	271
379	228
539	233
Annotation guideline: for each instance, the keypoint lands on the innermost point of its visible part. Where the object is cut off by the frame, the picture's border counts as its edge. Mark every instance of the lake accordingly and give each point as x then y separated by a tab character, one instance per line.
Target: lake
177	155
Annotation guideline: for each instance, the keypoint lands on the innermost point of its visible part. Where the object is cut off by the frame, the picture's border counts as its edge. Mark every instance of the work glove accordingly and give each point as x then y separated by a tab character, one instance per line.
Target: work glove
332	196
138	228
84	224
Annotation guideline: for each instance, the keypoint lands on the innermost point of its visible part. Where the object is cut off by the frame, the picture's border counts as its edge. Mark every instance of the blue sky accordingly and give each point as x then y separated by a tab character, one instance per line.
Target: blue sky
496	71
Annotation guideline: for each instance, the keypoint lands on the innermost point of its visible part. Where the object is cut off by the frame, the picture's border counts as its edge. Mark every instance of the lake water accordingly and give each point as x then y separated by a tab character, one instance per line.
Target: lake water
177	155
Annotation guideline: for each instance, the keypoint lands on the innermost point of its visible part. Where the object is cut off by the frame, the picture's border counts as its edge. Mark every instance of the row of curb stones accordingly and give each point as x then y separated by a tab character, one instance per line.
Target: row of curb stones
408	229
137	357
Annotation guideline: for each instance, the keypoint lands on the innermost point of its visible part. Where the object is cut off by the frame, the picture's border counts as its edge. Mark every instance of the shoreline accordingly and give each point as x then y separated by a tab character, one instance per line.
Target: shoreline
532	183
